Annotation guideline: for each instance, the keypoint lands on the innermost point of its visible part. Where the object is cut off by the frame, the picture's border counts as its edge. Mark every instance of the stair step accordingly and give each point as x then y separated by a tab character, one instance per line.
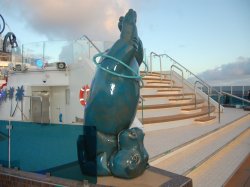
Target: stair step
159	81
176	117
155	78
154	101
150	73
169	105
205	119
160	86
160	119
158	112
217	169
240	177
180	99
189	157
169	90
192	108
167	95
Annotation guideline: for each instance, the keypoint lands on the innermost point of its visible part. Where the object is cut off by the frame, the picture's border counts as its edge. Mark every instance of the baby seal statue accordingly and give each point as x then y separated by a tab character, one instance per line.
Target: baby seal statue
111	109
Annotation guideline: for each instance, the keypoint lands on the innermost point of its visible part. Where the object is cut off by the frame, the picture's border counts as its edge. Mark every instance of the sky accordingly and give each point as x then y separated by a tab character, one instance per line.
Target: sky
203	35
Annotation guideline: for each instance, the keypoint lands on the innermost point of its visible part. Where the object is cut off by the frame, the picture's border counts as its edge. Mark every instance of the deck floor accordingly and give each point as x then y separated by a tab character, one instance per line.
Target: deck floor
158	141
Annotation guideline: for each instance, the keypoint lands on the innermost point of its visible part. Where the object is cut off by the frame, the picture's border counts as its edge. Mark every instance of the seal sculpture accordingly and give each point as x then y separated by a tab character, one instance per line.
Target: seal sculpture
111	109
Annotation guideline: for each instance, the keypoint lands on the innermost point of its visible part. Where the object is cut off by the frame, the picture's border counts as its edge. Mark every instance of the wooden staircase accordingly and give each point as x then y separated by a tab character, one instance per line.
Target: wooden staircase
161	93
182	138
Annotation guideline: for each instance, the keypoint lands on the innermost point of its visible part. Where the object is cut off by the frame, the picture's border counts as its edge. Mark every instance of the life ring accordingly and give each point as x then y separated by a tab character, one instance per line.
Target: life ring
83	95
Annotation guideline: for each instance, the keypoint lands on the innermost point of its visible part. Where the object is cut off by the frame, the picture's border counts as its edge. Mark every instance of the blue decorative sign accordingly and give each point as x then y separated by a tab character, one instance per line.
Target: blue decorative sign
19	93
39	63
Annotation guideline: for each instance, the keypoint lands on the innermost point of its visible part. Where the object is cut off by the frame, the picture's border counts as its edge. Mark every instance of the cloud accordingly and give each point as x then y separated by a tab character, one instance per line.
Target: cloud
232	73
239	68
69	19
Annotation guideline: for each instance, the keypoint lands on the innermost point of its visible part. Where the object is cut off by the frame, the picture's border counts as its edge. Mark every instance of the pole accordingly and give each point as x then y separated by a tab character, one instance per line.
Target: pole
9	127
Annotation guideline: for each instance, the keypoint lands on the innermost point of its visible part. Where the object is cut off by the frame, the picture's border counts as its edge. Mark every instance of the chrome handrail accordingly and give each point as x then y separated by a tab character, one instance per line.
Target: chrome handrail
187	70
142	108
182	77
90	41
208	94
191	73
231	95
151	67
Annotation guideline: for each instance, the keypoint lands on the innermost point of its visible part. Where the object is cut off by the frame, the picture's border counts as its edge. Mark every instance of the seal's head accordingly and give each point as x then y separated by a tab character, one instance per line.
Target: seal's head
128	26
120	23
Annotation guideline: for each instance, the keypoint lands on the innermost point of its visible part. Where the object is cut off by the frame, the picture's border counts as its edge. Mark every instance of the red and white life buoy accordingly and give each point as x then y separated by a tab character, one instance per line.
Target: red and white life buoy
83	95
4	84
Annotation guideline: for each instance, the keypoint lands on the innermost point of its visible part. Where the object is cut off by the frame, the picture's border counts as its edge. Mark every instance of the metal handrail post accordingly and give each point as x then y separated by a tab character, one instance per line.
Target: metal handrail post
219	100
151	64
142	108
187	70
160	67
208	95
85	36
182	77
22	55
191	73
9	127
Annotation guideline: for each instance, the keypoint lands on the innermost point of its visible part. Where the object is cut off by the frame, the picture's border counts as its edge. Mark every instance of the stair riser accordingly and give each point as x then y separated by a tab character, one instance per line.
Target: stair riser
180	101
155	100
158	112
148	91
169	92
166	125
158	84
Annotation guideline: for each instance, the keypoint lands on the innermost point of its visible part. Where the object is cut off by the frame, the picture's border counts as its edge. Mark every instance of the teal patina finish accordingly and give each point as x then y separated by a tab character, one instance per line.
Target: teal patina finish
111	109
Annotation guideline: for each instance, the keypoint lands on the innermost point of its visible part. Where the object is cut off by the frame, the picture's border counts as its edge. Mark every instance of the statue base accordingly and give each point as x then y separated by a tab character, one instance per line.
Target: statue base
151	177
72	177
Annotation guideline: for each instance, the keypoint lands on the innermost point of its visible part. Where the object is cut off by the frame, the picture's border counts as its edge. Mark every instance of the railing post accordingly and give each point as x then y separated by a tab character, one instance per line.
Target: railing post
22	54
208	101
9	127
90	41
243	91
208	94
182	77
160	67
142	109
43	52
219	105
151	64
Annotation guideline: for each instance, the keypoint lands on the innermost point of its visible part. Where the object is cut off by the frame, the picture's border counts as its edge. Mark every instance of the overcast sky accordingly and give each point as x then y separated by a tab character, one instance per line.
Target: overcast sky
200	34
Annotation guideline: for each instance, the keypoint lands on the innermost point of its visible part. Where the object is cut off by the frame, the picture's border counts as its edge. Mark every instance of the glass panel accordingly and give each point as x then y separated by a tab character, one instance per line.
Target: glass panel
246	95
32	52
4	143
58	51
246	92
43	148
80	50
226	89
237	90
214	89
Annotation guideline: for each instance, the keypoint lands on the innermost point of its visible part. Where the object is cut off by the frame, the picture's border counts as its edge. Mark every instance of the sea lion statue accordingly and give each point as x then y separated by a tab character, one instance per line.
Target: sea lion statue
111	109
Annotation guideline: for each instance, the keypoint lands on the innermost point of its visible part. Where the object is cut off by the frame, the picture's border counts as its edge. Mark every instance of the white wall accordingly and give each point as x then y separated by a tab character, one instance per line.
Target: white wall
36	78
58	104
57	82
80	74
